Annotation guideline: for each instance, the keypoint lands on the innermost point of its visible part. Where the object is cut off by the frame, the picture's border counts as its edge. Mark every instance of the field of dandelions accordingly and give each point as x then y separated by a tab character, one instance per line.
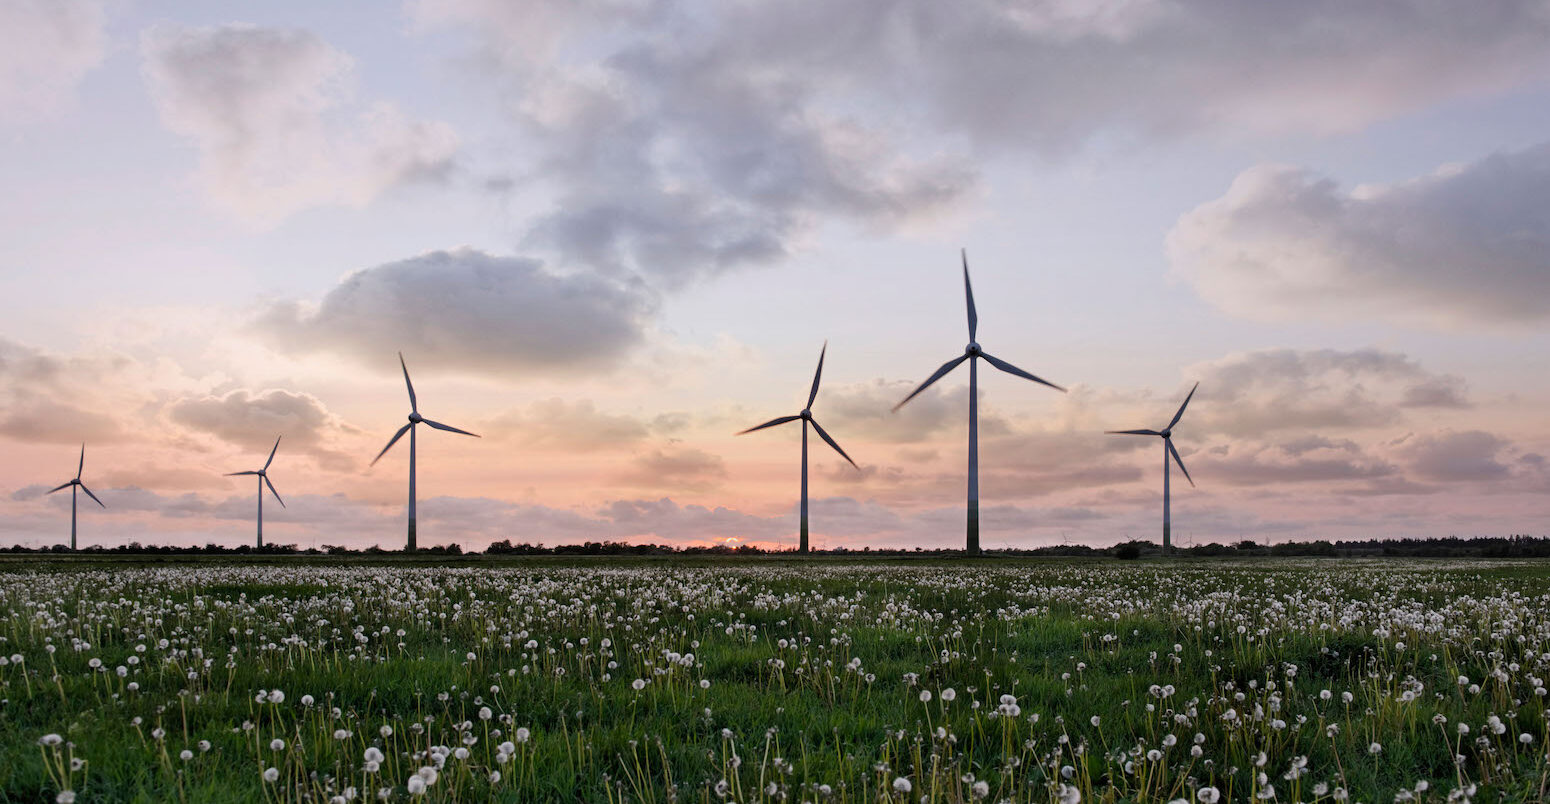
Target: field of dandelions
776	681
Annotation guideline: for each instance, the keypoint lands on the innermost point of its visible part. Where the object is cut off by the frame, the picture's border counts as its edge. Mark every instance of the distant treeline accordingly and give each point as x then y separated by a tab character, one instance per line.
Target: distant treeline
1447	547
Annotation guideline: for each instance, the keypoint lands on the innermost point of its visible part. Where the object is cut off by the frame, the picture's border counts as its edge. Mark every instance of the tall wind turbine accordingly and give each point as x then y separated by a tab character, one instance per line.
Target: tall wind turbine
263	479
414	419
1167	438
72	486
807	418
973	353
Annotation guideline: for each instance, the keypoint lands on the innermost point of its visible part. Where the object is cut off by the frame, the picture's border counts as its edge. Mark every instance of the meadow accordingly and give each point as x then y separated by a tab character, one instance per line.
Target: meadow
774	681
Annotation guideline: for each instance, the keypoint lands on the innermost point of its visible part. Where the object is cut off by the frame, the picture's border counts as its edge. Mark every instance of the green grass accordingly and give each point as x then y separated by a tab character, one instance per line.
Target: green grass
1070	640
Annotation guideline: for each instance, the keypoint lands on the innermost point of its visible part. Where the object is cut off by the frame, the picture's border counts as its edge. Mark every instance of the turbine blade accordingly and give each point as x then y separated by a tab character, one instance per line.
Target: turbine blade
272	491
396	436
449	428
82	466
234	474
1180	462
813	394
273	451
825	436
91	495
968	295
1132	432
414	404
1180	414
940	373
60	487
1011	369
771	423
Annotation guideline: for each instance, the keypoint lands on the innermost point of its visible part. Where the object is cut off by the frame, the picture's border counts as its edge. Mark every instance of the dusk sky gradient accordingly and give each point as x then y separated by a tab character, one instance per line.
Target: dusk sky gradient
608	234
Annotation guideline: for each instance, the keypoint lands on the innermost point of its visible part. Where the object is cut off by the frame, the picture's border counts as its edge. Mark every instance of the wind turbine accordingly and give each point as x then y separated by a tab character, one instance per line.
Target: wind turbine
414	419
1167	438
72	486
973	353
263	479
807	418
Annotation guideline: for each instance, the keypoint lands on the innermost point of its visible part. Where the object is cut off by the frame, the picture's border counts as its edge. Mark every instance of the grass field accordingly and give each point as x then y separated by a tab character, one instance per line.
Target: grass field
773	681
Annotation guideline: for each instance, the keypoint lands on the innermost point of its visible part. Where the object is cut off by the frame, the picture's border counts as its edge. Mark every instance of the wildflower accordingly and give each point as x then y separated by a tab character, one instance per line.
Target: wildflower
65	797
1525	738
373	754
204	746
639	684
485	713
277	744
949	694
901	785
416	786
523	734
276	696
981	789
271	774
1208	795
306	700
925	696
704	683
185	755
1068	794
1375	749
50	740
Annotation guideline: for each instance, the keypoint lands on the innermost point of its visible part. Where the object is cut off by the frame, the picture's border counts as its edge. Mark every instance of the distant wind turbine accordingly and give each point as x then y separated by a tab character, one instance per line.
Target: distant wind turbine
72	486
263	479
414	419
973	353
807	418
1167	436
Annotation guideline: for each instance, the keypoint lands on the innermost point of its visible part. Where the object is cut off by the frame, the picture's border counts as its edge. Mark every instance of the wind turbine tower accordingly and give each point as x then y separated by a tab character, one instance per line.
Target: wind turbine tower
263	479
973	353
72	486
1168	450
807	418
414	419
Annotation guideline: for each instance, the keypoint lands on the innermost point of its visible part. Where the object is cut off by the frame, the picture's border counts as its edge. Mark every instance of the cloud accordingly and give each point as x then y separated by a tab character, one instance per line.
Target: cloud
46	48
254	420
1458	457
1467	245
465	309
865	411
672	154
61	399
1046	76
1299	461
272	113
1252	393
556	424
675	467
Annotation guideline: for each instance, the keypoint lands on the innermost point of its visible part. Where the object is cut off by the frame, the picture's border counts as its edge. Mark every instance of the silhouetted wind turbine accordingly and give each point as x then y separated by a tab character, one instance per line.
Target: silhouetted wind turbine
263	479
72	486
807	418
1167	437
414	419
973	353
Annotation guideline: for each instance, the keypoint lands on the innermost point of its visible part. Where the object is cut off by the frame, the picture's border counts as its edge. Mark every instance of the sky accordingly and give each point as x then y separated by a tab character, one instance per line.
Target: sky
607	235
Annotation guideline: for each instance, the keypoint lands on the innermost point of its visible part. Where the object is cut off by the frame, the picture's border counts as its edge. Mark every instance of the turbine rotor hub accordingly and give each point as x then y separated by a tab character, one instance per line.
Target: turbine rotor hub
416	418
807	414
1167	433
973	349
